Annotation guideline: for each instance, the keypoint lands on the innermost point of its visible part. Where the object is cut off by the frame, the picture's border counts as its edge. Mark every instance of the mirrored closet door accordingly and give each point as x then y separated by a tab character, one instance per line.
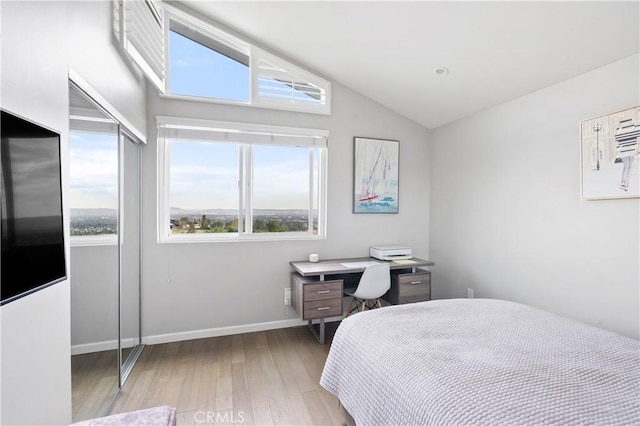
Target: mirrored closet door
104	199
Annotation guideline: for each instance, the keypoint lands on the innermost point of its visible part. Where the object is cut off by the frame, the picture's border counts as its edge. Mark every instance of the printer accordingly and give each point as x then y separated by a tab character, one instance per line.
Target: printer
390	252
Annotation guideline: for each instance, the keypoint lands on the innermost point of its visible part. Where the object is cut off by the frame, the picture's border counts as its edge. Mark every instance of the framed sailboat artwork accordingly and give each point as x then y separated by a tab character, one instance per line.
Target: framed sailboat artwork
375	175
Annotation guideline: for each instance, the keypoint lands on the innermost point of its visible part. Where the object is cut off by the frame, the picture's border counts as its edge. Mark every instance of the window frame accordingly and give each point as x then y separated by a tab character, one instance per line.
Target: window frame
245	183
254	53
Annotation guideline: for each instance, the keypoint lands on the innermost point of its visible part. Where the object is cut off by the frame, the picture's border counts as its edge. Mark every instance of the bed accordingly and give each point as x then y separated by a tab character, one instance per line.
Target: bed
481	362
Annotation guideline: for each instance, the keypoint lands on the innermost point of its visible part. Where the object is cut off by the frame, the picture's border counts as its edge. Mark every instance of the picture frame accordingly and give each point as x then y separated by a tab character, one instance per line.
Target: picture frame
375	175
610	156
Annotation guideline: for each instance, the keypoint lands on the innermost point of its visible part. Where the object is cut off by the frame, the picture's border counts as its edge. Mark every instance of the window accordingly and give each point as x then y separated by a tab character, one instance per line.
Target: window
235	181
277	81
199	66
207	63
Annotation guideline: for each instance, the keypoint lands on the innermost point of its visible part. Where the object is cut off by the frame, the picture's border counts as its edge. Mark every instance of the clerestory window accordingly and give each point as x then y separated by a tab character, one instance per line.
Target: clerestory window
205	62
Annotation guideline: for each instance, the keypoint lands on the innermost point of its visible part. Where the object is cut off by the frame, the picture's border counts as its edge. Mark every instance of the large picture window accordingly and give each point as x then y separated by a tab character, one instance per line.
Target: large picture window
226	181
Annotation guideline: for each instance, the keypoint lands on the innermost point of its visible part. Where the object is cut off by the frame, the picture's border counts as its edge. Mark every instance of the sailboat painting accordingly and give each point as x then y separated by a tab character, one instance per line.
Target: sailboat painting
375	175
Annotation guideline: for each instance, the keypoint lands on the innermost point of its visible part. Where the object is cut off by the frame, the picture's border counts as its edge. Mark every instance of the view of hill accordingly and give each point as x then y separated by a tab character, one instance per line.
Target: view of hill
105	221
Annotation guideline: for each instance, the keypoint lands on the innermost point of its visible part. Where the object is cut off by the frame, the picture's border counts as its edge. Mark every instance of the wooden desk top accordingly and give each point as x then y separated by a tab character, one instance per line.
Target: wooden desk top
341	266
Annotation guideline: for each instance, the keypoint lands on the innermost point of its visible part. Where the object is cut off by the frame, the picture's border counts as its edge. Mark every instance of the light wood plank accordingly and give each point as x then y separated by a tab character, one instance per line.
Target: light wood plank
178	373
224	394
319	414
255	377
191	384
262	413
241	397
299	413
224	356
275	388
207	390
237	349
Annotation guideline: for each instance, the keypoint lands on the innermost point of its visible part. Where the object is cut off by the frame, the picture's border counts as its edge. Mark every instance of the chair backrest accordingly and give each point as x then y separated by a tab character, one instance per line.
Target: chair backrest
375	282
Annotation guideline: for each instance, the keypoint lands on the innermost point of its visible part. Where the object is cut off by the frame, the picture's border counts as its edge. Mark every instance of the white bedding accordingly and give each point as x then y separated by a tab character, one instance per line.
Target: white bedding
481	362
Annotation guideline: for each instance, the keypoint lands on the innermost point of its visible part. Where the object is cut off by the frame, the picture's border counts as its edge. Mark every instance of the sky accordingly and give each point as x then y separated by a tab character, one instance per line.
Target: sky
93	170
203	175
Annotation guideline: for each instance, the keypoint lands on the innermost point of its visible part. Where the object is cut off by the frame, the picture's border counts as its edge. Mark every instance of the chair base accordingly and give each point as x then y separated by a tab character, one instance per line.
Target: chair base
359	305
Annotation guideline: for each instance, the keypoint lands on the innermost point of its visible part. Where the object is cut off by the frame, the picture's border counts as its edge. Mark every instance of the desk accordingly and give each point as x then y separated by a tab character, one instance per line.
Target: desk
317	288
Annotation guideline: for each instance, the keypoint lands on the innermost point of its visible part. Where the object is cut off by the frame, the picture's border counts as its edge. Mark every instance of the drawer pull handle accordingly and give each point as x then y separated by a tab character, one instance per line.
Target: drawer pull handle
326	308
416	282
324	291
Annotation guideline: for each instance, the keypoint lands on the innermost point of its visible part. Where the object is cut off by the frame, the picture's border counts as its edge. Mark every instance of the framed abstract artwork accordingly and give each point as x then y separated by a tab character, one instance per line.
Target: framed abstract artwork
375	175
610	156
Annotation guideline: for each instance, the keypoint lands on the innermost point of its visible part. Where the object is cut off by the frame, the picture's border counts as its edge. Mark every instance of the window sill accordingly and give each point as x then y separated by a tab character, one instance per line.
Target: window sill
234	238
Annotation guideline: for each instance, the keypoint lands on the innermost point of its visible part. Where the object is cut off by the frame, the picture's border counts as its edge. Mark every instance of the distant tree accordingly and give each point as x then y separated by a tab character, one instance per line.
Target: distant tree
205	222
273	226
297	227
259	226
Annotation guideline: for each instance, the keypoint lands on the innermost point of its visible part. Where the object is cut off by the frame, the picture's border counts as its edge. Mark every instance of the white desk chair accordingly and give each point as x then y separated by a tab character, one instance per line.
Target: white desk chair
374	283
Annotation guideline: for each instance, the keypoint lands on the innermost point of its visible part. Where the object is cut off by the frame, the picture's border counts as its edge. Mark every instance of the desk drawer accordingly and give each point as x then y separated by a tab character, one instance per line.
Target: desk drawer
409	288
322	291
322	309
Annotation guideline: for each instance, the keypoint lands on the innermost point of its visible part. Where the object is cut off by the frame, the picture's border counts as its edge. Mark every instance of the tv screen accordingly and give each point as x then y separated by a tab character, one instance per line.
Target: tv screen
33	255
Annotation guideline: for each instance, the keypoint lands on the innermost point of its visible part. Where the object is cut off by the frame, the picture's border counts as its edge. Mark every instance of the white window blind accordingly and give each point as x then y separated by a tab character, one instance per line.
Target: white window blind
259	134
139	28
278	83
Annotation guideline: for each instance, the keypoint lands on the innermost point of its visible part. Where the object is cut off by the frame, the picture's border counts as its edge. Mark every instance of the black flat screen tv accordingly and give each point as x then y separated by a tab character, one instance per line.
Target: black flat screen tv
33	255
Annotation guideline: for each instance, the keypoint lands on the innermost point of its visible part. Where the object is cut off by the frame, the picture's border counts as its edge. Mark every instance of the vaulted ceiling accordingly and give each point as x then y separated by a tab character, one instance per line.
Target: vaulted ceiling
388	51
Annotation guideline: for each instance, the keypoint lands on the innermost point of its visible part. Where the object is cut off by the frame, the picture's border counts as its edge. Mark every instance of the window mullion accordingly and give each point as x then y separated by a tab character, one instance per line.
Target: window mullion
241	188
166	186
322	191
311	192
248	199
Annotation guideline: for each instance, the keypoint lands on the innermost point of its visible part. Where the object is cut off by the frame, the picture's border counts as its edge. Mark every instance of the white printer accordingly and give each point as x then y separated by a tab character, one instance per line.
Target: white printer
390	252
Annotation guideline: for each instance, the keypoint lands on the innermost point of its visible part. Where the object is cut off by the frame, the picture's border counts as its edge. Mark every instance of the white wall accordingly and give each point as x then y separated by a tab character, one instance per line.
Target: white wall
40	41
215	285
506	214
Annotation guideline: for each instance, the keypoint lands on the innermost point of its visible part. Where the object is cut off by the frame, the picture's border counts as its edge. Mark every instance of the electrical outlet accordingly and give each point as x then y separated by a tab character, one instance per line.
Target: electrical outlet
470	293
287	297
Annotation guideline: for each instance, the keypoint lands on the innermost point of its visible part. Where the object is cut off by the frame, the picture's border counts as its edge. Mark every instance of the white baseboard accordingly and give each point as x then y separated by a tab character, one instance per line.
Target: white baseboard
221	331
193	334
107	345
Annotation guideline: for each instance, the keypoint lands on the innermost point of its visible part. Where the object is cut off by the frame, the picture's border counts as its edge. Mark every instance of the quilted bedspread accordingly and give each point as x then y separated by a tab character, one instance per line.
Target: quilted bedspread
481	362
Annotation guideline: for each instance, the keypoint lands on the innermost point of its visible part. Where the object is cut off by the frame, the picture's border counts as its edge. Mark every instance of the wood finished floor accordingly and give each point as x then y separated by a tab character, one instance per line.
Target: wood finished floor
94	382
262	378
